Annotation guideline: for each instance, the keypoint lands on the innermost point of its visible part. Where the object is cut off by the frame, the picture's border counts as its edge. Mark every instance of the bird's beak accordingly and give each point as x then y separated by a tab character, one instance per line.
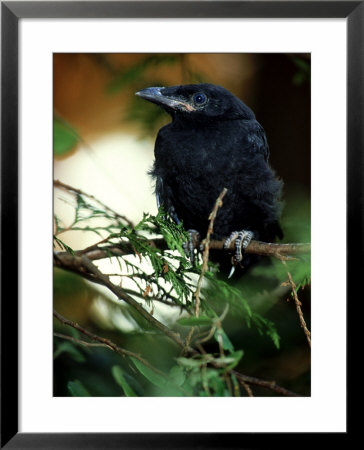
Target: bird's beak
155	95
152	94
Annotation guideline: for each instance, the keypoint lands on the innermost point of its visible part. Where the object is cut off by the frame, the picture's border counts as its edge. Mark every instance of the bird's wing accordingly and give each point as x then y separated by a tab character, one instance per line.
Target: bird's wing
258	140
164	198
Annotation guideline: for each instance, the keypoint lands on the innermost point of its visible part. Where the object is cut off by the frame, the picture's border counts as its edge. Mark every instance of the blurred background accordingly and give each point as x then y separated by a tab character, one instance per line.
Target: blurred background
103	144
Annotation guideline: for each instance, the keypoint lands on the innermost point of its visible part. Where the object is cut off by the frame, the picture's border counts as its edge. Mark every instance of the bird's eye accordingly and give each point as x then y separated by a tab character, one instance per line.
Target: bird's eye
199	99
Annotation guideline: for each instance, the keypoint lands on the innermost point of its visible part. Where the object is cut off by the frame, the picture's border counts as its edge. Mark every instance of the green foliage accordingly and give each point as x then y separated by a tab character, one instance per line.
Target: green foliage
178	375
297	228
90	215
137	77
133	75
152	376
71	351
77	389
170	278
151	117
266	327
65	138
118	375
296	218
62	245
195	321
207	375
223	338
303	71
142	74
68	284
221	293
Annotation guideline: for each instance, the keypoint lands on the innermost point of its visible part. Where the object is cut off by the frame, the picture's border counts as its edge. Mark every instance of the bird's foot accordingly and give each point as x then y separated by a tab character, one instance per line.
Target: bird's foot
243	239
193	241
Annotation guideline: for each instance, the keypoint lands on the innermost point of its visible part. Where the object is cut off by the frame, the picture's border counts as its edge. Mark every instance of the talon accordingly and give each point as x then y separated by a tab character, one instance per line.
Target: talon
189	247
232	236
243	239
231	271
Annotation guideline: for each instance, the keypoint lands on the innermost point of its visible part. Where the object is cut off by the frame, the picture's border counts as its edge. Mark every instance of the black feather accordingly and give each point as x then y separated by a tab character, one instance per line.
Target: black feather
214	141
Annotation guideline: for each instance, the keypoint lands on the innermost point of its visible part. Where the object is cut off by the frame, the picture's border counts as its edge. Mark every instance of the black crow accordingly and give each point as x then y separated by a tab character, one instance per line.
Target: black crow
214	141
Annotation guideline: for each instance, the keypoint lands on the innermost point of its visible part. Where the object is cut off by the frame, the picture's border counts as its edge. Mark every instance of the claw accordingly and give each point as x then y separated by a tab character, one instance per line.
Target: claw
231	271
243	239
189	247
241	243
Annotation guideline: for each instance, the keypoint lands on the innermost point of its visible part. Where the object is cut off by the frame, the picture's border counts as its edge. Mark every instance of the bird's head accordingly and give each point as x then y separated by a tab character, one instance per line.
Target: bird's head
199	102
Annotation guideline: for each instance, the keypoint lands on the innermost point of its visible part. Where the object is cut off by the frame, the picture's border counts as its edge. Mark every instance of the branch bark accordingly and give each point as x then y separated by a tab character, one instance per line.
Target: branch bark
83	266
280	251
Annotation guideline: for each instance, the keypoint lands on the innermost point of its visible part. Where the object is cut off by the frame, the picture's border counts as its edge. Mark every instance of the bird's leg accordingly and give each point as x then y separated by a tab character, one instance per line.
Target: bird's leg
243	239
189	247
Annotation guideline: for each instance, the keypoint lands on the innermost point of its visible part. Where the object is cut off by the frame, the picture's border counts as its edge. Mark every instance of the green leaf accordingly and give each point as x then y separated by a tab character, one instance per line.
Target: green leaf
217	384
117	373
195	321
150	375
195	363
65	138
73	352
77	389
63	245
229	359
267	327
189	362
177	375
226	343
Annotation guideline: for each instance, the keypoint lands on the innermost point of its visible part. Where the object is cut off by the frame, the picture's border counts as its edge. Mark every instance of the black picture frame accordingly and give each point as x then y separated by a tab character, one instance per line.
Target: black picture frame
11	12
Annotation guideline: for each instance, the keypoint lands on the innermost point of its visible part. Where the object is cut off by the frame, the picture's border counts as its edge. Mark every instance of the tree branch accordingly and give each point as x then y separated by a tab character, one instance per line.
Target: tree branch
280	251
265	384
83	266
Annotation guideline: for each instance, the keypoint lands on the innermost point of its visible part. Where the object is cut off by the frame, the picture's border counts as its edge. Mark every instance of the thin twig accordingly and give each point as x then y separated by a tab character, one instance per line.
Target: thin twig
255	381
247	388
265	384
298	306
80	341
120	293
84	266
188	340
59	184
205	254
106	343
208	336
94	246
